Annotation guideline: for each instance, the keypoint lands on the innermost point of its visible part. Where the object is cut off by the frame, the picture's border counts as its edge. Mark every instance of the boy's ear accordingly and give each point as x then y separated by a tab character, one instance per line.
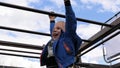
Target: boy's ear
62	31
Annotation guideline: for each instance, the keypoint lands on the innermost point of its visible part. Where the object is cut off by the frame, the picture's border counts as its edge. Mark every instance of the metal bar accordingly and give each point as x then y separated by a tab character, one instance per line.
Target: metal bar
114	60
85	40
118	54
3	66
116	65
25	31
19	55
100	35
90	65
31	32
19	51
48	13
100	43
21	45
112	17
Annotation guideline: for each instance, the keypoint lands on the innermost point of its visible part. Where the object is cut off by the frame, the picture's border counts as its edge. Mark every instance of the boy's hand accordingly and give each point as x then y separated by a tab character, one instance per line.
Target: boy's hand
67	2
52	17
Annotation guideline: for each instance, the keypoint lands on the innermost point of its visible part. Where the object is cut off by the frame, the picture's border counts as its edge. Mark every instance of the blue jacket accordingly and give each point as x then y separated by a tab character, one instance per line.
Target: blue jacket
65	55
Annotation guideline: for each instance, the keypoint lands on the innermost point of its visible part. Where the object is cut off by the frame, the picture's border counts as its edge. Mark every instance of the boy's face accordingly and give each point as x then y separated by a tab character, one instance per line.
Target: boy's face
57	30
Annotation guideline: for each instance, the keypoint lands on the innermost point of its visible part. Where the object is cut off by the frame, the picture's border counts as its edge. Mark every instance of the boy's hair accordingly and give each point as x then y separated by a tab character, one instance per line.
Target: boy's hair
61	24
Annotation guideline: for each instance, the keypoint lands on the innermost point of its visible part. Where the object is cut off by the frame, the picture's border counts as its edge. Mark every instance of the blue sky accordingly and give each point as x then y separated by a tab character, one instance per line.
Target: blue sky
92	11
96	10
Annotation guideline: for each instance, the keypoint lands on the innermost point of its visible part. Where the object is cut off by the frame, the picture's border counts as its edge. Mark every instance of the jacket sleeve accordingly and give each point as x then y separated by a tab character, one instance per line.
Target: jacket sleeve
70	27
52	23
71	23
43	57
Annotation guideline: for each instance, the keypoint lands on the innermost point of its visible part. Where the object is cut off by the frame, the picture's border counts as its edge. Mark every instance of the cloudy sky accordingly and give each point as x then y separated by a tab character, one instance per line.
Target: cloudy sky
97	10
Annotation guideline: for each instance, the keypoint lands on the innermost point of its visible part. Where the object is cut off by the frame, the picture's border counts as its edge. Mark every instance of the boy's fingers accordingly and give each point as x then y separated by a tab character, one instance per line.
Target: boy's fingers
51	13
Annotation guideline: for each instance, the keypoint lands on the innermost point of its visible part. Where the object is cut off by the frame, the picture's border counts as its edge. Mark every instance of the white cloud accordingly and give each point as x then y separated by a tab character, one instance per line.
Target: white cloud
21	38
59	3
96	55
27	20
112	46
86	31
20	2
38	22
23	20
106	5
18	62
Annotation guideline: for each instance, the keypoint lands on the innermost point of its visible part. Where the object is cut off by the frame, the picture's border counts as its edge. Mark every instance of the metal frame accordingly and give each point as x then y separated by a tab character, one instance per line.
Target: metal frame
19	51
118	54
100	43
25	31
100	35
49	13
31	32
18	55
21	45
9	67
110	59
109	28
91	65
116	65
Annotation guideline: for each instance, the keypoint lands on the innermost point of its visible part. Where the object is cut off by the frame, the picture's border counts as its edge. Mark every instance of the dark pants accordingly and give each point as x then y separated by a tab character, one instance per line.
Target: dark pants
51	63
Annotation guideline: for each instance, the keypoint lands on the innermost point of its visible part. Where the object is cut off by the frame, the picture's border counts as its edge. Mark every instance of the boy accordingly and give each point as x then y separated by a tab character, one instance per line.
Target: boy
61	50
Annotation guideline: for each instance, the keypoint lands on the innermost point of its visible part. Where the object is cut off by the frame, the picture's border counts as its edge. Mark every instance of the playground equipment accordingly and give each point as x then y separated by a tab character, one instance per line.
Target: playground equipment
107	33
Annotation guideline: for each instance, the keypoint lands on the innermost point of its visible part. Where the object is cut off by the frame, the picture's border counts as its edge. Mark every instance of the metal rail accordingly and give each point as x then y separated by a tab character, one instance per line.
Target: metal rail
31	32
25	31
91	65
3	66
21	45
6	43
113	17
118	54
99	36
100	43
48	13
19	51
20	55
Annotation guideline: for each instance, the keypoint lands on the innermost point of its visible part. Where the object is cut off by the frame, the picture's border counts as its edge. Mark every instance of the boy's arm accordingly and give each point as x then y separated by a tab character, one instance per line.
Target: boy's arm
52	22
71	22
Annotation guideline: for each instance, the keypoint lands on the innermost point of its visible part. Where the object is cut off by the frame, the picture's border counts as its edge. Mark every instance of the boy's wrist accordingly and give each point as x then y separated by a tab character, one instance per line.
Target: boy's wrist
52	21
